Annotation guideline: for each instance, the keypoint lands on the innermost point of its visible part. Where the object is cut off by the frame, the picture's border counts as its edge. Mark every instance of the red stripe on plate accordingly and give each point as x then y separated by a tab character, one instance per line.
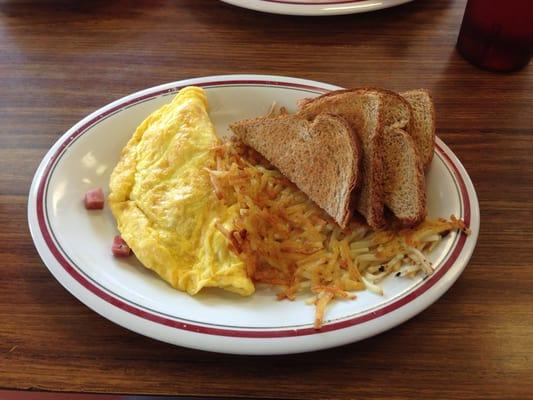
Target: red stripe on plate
197	327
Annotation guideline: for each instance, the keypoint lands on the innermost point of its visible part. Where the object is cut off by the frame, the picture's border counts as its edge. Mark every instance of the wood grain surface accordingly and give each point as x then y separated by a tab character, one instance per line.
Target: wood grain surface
60	60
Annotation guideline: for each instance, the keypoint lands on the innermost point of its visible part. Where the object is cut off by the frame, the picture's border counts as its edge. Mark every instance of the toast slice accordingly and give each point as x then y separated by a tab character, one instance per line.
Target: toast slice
423	123
361	110
405	188
321	156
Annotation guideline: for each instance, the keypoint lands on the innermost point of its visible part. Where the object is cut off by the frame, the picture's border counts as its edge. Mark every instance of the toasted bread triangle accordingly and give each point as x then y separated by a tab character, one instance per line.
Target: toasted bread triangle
321	156
405	193
423	123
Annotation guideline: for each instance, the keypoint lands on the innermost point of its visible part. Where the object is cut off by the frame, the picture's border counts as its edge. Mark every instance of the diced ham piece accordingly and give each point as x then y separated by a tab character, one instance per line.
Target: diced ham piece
120	248
94	199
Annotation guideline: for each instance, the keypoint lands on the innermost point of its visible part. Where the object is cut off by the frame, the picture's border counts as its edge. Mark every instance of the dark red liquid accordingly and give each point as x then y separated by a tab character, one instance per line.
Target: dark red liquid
497	34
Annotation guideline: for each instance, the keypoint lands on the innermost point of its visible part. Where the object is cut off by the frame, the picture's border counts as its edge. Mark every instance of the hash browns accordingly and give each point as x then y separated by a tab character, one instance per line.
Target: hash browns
287	241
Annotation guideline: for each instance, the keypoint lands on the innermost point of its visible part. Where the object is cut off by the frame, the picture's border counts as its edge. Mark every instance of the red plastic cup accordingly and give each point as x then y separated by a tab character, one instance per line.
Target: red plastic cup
497	34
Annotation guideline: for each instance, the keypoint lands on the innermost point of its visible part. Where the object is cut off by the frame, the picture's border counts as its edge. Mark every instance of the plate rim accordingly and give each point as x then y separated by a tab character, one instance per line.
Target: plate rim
83	125
321	8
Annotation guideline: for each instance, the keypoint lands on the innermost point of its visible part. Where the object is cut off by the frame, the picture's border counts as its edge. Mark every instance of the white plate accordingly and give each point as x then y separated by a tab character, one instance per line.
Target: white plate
75	243
316	7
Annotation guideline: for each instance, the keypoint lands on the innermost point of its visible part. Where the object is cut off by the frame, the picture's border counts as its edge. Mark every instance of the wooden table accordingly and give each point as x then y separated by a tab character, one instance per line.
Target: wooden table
60	60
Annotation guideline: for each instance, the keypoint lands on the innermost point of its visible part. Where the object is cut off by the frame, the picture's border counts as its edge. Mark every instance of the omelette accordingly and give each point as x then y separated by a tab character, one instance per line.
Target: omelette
164	204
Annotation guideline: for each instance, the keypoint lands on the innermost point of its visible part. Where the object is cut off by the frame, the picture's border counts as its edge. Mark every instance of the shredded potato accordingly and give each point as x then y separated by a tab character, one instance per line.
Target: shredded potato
287	241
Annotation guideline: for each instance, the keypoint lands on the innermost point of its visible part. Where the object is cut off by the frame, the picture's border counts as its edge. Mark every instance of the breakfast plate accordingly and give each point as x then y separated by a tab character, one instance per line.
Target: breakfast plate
75	244
316	7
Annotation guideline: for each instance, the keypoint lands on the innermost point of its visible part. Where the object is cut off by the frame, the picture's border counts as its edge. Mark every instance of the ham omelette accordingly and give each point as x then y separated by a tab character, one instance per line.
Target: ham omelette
164	204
